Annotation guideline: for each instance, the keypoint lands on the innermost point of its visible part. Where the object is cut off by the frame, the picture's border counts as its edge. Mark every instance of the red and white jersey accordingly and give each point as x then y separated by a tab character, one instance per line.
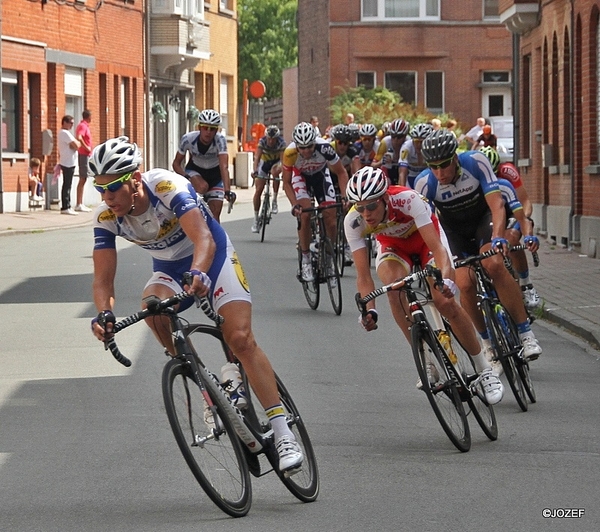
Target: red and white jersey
407	211
509	172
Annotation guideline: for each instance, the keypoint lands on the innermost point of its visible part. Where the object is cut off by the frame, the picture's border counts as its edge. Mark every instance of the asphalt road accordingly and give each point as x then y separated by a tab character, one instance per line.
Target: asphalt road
85	444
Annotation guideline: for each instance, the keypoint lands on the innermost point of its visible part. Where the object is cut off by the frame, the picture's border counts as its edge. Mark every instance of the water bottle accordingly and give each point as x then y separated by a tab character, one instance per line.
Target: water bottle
444	339
232	378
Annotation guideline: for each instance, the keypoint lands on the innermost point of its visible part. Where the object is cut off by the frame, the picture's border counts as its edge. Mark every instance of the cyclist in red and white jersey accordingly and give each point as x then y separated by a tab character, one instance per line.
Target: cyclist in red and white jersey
404	226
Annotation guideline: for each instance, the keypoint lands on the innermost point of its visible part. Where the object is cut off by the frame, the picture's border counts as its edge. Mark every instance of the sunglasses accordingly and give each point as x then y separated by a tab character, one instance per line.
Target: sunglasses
342	142
204	126
398	136
113	186
442	164
310	146
369	206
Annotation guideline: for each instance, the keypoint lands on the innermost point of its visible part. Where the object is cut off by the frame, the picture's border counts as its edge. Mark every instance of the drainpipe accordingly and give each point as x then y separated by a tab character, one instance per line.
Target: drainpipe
572	124
516	97
148	135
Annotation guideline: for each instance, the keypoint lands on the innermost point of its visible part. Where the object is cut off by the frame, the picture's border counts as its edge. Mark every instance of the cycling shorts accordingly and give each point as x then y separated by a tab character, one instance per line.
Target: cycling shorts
266	167
228	280
212	176
318	186
471	237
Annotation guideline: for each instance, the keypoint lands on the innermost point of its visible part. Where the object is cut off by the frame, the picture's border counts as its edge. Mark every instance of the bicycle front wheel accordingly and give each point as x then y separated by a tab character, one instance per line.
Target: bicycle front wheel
340	242
265	215
475	396
207	440
505	344
334	285
440	389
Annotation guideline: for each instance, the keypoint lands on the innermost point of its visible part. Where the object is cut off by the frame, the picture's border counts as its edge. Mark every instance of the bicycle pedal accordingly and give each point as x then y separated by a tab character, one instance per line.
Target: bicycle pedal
292	472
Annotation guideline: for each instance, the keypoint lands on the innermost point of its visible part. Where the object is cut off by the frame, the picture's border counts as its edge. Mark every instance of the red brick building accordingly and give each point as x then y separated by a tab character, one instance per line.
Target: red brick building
558	120
446	56
62	58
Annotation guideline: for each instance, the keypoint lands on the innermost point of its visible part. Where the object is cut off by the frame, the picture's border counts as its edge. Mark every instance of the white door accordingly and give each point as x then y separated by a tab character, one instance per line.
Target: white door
497	102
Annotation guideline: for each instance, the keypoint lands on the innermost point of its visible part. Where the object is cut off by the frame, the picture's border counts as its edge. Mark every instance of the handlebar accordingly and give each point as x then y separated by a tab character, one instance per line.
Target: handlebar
421	275
460	263
156	307
320	208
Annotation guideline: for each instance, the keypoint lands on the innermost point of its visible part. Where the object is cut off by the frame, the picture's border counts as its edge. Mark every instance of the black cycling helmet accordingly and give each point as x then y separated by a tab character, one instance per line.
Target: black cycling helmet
439	146
342	133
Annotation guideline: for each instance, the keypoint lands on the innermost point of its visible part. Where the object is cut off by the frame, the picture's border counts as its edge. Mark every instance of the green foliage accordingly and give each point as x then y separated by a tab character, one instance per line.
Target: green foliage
267	41
378	105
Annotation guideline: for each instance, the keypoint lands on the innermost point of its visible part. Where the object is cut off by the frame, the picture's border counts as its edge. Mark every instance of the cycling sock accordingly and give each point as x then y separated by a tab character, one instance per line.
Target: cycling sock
480	362
276	415
523	327
524	278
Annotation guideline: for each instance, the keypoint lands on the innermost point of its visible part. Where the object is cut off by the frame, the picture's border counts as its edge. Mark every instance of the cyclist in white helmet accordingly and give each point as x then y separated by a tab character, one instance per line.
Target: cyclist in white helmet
306	164
208	164
405	226
161	212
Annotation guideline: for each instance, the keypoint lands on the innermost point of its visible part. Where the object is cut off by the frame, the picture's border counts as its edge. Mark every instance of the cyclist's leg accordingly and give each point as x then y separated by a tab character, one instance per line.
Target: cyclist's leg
259	184
324	191
276	172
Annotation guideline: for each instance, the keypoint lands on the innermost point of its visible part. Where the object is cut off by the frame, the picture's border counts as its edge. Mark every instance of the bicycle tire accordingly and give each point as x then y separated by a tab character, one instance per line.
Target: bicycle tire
311	289
218	463
443	394
479	407
519	360
332	278
264	216
504	347
340	242
305	484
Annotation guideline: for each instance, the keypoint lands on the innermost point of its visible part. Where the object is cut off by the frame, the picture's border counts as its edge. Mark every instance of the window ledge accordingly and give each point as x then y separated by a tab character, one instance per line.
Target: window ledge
592	169
553	169
524	163
564	169
8	155
225	11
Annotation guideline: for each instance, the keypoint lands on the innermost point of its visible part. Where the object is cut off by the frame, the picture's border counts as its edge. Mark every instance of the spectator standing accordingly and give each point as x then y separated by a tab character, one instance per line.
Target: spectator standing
84	136
314	122
67	151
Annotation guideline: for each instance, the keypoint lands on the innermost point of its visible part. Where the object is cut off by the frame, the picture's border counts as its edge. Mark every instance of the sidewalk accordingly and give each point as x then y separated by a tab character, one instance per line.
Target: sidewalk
568	283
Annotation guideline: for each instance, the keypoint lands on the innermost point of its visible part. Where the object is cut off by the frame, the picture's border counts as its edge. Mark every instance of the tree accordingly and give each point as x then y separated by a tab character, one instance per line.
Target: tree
267	41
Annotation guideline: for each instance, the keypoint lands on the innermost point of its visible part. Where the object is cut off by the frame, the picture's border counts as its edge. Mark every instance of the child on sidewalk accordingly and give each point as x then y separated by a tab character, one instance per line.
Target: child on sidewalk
36	186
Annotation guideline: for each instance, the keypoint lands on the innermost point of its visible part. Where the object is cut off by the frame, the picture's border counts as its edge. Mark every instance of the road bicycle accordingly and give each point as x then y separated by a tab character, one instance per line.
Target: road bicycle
340	237
324	264
221	443
446	371
264	215
501	329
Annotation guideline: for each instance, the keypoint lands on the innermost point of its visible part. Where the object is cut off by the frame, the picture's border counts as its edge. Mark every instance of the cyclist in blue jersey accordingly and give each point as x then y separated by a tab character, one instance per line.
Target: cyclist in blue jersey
161	212
466	193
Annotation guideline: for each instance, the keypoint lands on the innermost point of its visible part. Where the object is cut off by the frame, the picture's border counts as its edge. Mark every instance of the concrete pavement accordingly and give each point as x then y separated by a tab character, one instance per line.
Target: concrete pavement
568	283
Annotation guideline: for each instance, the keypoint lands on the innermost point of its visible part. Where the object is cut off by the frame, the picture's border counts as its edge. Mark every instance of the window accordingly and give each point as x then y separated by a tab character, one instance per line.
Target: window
10	111
365	79
401	9
434	92
490	9
226	5
224	102
496	77
404	83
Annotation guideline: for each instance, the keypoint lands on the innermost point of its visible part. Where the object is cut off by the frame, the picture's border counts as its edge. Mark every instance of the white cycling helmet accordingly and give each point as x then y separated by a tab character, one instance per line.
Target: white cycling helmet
304	135
209	117
368	183
399	127
368	130
115	156
421	131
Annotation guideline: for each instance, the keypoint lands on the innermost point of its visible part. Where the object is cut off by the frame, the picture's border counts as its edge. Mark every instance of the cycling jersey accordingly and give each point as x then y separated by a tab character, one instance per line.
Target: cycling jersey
201	155
397	235
509	172
351	152
410	158
366	158
270	155
159	232
385	147
461	204
322	155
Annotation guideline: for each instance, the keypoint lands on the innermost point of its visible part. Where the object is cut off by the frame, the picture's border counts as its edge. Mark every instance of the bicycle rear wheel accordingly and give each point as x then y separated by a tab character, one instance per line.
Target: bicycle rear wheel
311	289
475	396
334	285
440	389
265	215
305	483
209	444
505	346
340	242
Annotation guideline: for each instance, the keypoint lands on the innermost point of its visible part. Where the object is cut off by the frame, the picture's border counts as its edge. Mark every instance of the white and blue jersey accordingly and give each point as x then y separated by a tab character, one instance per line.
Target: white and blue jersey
159	232
204	157
461	203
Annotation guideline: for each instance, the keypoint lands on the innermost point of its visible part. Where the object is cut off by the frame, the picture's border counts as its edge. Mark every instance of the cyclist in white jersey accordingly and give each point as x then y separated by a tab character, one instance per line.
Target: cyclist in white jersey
161	212
411	162
208	165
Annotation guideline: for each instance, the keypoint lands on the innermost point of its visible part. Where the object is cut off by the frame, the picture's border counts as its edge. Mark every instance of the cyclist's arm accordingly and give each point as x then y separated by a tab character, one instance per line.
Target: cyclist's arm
195	227
286	176
257	156
364	279
440	253
525	201
402	175
340	171
177	163
103	286
496	205
224	168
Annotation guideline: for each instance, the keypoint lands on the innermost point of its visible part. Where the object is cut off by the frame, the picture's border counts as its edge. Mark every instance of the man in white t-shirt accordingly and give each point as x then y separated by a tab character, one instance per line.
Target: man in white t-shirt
474	133
67	151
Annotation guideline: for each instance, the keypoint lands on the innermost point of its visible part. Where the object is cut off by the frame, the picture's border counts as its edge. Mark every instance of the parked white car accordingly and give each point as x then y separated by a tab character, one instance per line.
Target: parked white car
502	127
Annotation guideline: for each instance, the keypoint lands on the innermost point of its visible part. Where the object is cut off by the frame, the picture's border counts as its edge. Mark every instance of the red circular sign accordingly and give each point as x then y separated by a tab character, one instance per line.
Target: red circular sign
257	89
